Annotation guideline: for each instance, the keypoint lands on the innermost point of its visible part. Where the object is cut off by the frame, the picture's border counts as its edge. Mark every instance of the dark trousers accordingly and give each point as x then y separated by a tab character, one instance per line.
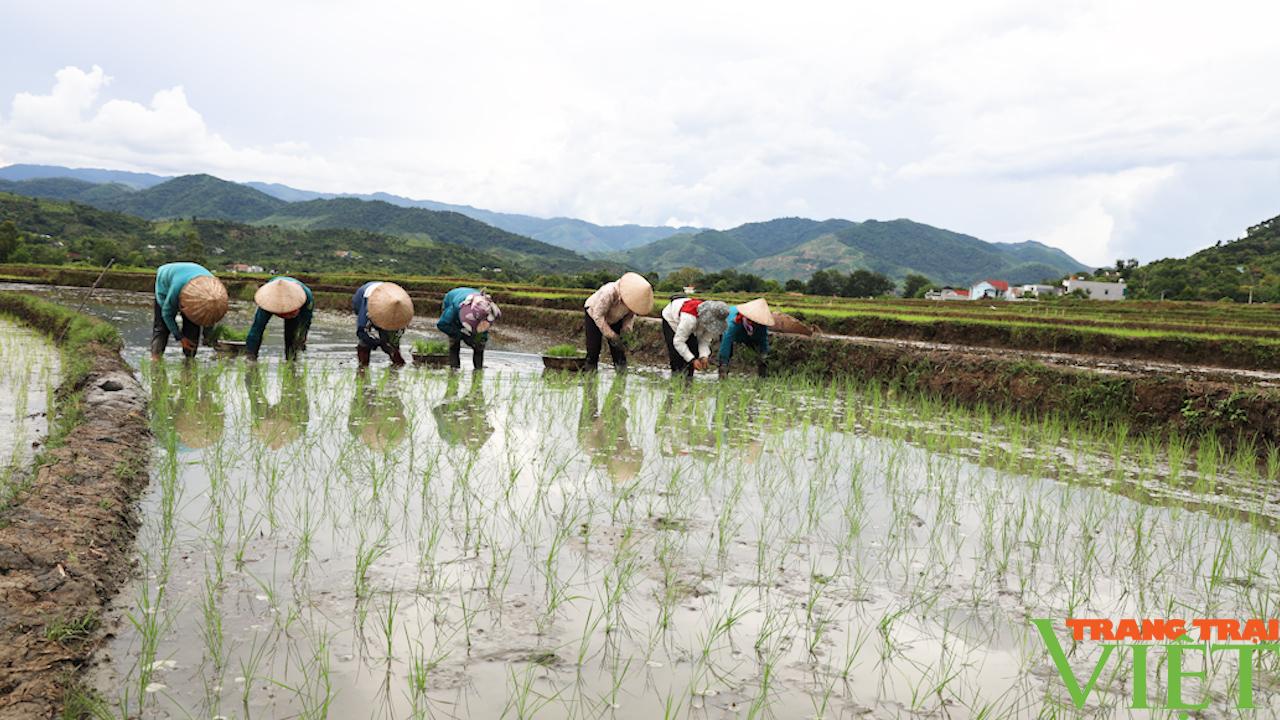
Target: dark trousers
294	336
455	352
678	364
160	333
595	339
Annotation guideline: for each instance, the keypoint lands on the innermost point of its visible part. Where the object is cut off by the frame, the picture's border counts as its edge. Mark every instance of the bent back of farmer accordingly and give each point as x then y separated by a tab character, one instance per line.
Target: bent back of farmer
466	314
610	312
747	324
383	310
287	298
685	318
189	291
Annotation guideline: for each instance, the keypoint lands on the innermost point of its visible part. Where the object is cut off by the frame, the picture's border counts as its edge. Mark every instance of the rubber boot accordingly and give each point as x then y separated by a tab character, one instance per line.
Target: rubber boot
362	354
723	371
477	356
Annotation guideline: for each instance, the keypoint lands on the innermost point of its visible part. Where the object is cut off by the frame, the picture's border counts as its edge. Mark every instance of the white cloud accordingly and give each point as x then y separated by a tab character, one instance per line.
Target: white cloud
1088	124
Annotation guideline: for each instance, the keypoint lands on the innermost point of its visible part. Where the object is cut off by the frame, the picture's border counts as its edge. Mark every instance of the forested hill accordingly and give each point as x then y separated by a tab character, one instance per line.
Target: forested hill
55	232
209	198
1227	270
796	247
565	232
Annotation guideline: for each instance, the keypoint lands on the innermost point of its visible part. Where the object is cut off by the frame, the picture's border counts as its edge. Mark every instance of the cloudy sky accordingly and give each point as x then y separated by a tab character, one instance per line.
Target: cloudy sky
1108	128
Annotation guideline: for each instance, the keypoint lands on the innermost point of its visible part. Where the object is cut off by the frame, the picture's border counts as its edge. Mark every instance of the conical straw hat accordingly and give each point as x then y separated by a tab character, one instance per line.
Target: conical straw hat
390	307
636	292
757	311
203	300
280	296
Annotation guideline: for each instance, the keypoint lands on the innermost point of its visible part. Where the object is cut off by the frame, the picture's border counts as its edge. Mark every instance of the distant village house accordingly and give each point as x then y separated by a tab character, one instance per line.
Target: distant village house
990	290
1095	290
947	293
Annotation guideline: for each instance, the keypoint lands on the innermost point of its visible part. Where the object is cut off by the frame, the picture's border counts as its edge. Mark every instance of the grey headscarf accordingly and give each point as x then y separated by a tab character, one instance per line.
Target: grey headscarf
712	316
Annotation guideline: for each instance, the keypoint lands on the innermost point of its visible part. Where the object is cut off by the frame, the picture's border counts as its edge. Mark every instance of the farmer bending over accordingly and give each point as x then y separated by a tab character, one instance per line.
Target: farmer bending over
465	316
748	324
289	299
611	311
189	290
383	310
685	317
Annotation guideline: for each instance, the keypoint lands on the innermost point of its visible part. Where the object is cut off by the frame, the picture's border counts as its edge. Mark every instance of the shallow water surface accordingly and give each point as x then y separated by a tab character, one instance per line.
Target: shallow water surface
28	377
426	543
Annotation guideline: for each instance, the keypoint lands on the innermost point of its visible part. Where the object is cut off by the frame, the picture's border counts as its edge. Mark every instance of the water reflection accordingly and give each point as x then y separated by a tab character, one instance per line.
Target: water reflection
377	414
199	416
686	422
284	422
602	430
463	420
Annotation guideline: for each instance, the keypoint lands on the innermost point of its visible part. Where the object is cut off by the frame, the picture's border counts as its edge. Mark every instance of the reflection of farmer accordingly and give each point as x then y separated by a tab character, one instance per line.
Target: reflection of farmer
464	420
191	291
737	426
748	324
383	310
465	316
603	432
288	299
377	414
610	312
683	428
197	411
280	424
688	318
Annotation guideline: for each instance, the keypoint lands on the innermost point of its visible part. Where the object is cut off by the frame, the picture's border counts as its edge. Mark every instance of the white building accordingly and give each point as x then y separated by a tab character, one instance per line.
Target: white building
990	290
947	293
1095	290
1037	291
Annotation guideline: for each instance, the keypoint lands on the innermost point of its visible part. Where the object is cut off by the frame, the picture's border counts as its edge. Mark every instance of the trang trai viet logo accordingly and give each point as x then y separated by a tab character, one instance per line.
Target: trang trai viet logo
1180	651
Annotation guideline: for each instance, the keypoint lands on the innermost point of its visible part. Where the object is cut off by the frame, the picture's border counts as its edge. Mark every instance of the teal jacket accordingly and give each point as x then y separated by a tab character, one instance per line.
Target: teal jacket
449	323
170	279
736	332
262	317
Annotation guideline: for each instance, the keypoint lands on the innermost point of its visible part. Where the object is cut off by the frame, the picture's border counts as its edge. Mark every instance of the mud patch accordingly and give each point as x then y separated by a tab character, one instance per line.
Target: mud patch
66	543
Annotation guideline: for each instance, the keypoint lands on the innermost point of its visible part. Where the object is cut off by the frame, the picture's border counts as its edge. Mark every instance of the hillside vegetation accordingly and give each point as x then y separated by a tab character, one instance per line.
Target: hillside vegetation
790	248
54	232
204	197
1227	270
569	233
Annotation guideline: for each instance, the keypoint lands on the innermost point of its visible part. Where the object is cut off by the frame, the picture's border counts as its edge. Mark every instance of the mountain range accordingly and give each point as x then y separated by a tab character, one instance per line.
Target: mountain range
788	248
780	249
569	233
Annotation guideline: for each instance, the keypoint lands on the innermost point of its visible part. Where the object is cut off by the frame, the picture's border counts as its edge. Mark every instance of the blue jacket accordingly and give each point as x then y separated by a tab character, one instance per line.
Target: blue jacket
450	323
736	332
360	306
262	317
170	279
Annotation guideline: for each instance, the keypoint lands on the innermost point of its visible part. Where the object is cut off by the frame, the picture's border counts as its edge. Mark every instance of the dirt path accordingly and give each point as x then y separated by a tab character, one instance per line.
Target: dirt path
66	543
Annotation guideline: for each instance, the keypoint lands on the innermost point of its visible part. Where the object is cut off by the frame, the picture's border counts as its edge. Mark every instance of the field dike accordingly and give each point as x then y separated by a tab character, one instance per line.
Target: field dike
67	539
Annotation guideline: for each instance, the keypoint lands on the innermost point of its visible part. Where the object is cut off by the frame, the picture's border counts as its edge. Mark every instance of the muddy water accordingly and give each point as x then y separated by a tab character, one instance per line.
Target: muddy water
319	543
28	377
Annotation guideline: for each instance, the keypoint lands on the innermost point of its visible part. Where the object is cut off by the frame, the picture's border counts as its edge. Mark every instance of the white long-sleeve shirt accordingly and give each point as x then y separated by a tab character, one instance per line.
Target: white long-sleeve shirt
684	326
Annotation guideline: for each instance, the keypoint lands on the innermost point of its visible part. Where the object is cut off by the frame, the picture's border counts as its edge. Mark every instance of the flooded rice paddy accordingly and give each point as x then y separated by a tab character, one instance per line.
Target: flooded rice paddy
28	378
318	542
